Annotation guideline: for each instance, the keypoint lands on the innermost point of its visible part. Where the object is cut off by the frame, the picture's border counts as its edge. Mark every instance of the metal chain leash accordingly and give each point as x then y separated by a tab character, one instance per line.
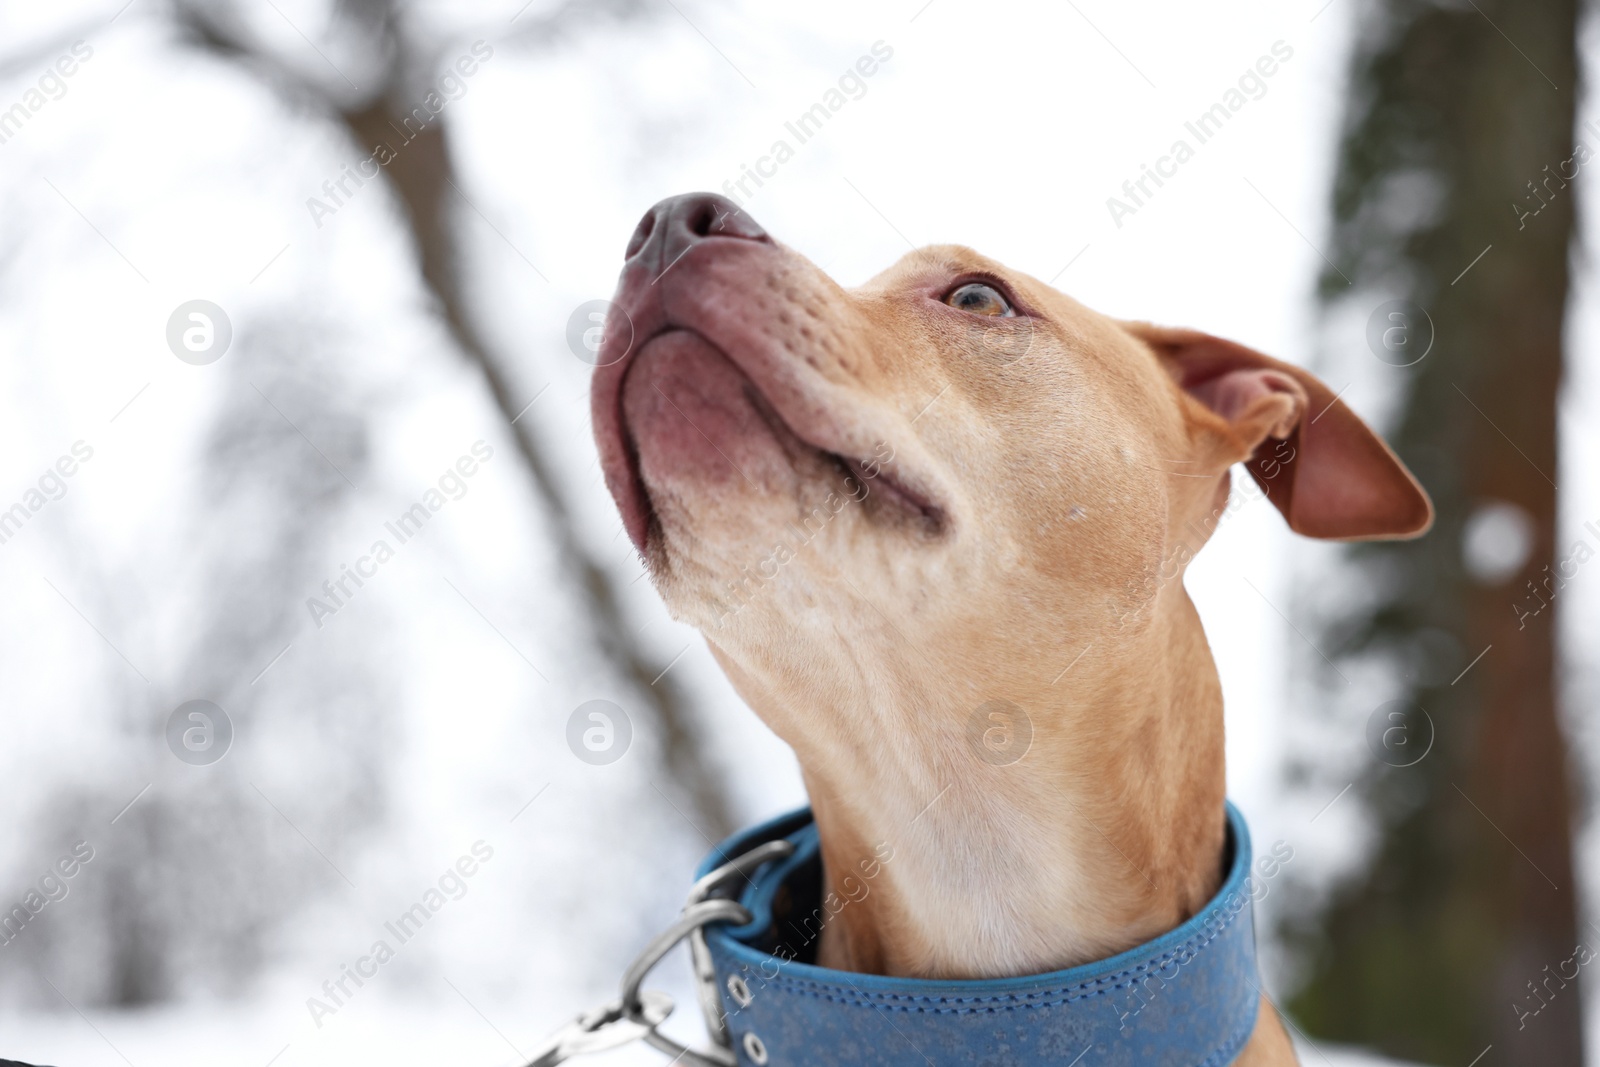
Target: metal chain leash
636	1013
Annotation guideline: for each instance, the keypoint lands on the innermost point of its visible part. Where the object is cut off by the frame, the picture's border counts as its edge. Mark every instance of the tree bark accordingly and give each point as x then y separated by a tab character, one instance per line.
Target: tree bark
1436	951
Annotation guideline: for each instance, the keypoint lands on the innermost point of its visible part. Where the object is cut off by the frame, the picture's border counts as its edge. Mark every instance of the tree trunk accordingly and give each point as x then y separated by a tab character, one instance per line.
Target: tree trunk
1456	937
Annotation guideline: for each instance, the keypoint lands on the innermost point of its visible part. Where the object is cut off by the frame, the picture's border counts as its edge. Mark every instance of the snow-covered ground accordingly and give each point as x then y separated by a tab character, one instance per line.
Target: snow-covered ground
424	1034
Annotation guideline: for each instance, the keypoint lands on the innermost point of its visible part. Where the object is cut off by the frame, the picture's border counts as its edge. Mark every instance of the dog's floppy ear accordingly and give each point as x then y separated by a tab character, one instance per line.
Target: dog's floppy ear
1322	467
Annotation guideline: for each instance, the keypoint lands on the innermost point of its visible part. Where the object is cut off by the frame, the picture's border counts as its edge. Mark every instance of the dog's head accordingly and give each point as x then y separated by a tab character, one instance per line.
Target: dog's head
945	473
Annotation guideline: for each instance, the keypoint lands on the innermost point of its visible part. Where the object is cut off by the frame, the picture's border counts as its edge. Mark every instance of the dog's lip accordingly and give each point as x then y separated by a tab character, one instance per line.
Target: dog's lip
659	305
639	513
933	517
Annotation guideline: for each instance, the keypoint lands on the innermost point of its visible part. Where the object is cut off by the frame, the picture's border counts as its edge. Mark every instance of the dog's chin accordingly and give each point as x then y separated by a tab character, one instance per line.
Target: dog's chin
718	474
715	466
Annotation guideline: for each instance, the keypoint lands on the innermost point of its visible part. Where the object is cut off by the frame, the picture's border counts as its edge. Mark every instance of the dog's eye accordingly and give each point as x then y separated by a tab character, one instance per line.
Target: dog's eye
980	299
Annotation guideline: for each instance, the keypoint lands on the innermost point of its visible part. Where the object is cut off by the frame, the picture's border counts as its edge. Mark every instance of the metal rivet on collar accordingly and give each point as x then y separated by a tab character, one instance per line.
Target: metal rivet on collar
739	991
754	1048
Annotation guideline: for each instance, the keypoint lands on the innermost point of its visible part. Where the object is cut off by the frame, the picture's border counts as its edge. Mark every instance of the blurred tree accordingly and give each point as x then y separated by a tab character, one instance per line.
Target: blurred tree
1453	191
153	923
151	926
398	56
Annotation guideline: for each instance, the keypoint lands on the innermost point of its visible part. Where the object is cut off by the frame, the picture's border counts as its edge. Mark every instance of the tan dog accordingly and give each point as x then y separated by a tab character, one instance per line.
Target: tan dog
891	507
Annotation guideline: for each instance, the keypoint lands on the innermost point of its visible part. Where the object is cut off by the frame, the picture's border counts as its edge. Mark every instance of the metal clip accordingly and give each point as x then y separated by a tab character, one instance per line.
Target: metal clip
705	973
635	1015
603	1029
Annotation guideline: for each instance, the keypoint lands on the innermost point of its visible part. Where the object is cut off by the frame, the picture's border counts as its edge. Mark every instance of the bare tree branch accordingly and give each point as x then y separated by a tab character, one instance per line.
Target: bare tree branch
421	174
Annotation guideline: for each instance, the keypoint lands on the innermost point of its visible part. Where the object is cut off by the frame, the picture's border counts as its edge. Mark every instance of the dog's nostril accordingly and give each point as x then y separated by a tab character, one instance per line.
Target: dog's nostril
641	233
704	220
669	229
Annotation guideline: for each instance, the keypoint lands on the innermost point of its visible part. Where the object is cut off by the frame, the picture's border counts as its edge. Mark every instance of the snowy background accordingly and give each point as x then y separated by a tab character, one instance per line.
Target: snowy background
429	712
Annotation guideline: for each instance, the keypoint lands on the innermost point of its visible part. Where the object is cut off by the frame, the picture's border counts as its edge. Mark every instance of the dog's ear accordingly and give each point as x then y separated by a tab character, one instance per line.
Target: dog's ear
1322	467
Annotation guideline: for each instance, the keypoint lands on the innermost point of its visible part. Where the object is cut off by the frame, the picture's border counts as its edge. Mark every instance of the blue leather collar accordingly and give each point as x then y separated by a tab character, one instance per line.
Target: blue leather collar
1186	999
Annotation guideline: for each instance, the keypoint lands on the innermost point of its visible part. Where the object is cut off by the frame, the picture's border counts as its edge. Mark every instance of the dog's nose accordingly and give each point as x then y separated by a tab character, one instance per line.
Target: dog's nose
678	223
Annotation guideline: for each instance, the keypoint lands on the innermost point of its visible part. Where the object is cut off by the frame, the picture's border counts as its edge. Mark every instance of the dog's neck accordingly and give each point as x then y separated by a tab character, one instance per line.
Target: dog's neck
1108	832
